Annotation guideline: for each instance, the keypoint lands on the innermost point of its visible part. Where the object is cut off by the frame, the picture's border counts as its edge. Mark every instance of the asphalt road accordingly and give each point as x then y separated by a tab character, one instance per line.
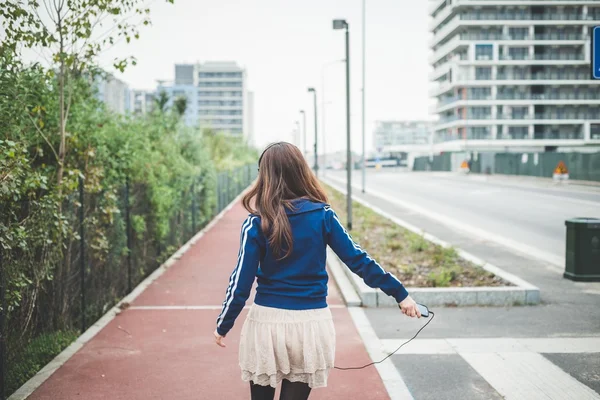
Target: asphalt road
524	214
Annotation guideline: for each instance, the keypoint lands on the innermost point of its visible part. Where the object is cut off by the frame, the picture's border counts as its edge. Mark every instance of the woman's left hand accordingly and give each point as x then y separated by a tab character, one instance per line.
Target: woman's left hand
219	339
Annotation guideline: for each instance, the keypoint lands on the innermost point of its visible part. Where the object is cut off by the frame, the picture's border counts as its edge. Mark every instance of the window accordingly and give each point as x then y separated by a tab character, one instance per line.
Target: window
518	132
518	33
480	112
518	53
520	112
480	93
595	130
483	73
220	84
479	132
220	75
484	52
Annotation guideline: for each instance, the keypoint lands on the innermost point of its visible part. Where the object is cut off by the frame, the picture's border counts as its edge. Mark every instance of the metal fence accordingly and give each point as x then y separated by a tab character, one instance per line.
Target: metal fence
69	273
581	166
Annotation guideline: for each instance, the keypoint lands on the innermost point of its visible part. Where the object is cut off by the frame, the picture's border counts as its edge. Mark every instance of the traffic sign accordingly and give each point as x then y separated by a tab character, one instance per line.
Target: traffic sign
596	52
561	172
561	168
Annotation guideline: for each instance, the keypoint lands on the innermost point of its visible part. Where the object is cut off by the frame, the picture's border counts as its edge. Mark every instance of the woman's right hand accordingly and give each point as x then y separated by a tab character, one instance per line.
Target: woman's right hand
409	307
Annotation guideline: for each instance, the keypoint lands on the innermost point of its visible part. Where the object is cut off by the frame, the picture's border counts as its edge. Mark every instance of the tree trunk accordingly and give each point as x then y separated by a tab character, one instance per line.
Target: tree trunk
59	281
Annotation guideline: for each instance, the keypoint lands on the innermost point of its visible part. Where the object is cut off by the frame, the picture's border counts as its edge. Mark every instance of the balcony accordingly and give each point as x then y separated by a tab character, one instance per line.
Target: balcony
515	57
517	16
495	16
475	36
558	57
451	118
560	36
549	116
558	17
448	100
568	116
542	76
566	96
548	96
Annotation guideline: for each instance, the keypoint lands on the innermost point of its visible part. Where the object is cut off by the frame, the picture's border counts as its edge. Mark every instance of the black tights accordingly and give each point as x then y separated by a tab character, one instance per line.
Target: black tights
289	391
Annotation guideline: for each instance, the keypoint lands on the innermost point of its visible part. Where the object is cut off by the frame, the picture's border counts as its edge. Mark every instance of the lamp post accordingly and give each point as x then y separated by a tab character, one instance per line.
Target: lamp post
304	132
314	92
364	35
339	24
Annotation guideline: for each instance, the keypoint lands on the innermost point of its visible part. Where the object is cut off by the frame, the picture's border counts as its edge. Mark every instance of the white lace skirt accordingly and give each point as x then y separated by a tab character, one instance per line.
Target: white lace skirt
297	345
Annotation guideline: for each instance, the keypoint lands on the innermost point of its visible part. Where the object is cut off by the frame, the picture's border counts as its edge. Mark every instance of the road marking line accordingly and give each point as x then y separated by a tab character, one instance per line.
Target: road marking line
527	376
209	307
556	262
390	376
494	345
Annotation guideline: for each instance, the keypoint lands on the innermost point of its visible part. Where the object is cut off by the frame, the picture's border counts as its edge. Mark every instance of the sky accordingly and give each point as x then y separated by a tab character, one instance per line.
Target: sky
284	46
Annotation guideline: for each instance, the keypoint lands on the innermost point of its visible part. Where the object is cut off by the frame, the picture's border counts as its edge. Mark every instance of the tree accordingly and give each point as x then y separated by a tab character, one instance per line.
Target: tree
180	105
161	101
69	35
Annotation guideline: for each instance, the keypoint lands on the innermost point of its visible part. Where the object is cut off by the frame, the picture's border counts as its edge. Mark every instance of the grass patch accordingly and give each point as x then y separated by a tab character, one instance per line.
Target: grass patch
35	355
414	260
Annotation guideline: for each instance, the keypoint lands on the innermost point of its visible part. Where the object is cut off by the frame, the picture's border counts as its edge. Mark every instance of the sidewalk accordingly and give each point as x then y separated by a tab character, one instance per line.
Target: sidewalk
162	347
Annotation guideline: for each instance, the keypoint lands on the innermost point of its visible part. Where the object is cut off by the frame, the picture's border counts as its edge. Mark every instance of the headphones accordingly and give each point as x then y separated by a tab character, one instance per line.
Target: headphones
267	148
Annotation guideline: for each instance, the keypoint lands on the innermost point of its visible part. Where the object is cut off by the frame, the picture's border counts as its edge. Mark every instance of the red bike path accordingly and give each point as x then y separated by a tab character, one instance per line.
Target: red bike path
162	346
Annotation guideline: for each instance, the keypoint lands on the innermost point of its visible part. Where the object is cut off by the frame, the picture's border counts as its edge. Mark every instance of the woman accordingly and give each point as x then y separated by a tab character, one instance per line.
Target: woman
288	336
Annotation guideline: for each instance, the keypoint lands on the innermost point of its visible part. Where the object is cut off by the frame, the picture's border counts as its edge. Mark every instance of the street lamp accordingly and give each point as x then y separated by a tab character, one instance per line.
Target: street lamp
304	133
337	25
364	29
314	92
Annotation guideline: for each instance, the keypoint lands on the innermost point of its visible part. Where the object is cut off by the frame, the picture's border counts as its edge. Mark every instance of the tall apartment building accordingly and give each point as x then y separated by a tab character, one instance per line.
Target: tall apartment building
141	102
390	135
113	92
514	73
216	96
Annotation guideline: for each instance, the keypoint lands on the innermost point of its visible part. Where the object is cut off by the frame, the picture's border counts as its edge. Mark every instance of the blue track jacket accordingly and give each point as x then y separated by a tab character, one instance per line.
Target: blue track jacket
298	282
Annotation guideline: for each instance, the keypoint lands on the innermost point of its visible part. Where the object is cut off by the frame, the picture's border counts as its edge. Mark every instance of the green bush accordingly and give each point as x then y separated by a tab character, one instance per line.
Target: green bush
167	165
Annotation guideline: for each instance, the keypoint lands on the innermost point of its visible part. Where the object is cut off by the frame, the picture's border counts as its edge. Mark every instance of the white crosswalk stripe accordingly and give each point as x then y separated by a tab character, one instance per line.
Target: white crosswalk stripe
515	367
527	376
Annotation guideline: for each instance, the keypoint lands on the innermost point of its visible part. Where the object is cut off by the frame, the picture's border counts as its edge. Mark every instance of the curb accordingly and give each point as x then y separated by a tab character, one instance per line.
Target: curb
523	293
38	379
391	378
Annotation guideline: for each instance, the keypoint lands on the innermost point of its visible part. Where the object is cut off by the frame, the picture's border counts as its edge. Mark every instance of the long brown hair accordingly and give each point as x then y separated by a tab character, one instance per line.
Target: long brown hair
283	175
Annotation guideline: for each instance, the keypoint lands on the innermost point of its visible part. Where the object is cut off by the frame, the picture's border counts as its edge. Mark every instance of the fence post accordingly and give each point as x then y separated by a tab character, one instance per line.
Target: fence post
128	233
219	190
228	175
193	207
3	324
82	251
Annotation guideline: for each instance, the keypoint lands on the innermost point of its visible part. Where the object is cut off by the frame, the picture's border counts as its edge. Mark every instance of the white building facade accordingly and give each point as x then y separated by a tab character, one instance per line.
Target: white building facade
392	135
514	74
113	92
216	94
141	101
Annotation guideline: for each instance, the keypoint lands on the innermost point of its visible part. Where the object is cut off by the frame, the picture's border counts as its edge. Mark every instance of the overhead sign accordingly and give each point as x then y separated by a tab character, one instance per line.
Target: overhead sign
596	52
